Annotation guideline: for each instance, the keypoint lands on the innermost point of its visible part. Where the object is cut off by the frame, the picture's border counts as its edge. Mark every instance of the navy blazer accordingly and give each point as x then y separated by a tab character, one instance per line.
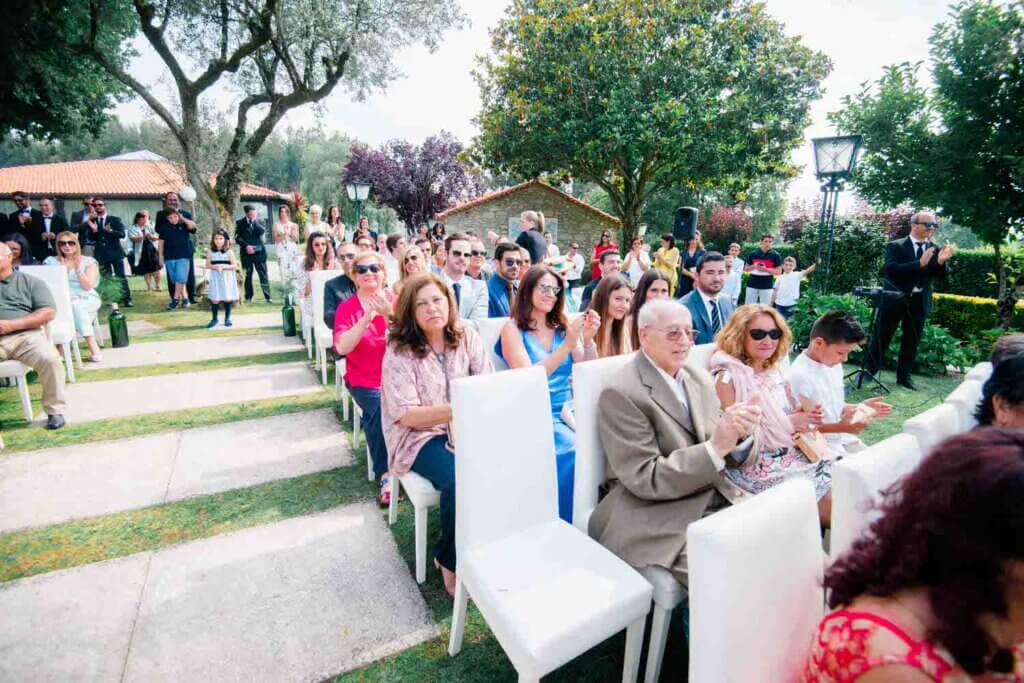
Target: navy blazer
498	305
699	313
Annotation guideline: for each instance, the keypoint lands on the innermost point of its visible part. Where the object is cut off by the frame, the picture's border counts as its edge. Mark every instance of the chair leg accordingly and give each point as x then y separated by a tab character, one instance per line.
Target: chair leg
337	390
99	329
396	489
421	512
345	398
656	647
77	350
26	400
634	644
356	426
458	618
69	364
322	354
369	467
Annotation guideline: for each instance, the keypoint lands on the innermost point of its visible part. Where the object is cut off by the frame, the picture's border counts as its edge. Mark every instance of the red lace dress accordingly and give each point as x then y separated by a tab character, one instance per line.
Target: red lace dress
842	651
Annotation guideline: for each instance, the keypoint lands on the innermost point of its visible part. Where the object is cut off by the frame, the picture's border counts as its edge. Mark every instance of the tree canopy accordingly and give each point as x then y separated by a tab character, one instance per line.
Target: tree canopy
639	96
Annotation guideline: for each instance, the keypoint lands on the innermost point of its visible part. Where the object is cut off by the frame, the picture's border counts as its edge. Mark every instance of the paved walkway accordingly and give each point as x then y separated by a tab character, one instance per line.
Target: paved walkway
299	600
38	488
186	350
89	401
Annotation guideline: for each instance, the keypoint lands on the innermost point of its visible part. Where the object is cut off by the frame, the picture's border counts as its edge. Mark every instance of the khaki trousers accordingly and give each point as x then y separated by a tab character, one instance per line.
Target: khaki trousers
32	348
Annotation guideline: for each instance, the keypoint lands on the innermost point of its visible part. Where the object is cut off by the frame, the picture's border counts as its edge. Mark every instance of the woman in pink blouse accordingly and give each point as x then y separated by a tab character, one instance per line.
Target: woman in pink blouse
360	328
428	348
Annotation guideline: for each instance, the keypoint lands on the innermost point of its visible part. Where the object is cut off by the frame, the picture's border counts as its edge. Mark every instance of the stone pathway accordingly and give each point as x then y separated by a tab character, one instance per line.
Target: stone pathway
153	353
251	321
298	600
38	488
89	401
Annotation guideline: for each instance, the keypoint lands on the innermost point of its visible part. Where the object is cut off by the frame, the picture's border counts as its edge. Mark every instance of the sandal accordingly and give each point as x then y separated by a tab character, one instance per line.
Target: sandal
384	497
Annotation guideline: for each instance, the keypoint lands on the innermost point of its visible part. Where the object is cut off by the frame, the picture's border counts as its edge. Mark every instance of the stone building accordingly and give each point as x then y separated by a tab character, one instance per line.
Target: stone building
567	218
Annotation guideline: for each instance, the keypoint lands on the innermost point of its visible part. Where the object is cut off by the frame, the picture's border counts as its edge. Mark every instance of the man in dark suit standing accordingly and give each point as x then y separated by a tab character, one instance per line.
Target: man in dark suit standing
249	236
107	232
171	201
911	263
53	224
78	218
28	222
709	311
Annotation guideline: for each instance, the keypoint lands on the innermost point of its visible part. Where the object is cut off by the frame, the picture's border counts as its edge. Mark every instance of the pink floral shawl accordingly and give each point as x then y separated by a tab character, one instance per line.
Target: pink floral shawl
775	430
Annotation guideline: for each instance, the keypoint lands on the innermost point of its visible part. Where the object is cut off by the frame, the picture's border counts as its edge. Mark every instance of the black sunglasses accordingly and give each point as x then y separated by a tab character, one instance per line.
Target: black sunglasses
372	268
458	254
758	334
66	243
929	224
512	262
477	252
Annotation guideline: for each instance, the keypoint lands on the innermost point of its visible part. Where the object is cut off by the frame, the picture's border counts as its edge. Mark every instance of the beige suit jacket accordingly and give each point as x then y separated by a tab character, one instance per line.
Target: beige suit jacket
661	476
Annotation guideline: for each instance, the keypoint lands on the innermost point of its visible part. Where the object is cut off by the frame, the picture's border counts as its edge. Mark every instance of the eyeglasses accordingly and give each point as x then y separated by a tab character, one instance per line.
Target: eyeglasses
674	334
549	289
477	252
67	243
455	253
929	224
510	262
412	257
363	270
758	334
347	257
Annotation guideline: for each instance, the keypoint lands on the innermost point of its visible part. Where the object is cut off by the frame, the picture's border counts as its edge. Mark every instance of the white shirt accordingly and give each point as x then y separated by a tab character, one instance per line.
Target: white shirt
576	270
472	296
737	265
553	250
637	267
707	306
733	283
787	288
811	379
391	268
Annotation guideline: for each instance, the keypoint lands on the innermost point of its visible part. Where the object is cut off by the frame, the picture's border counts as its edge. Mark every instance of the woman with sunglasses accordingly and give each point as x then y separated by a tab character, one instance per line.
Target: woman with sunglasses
611	302
83	275
605	244
319	256
538	333
746	367
412	262
655	284
360	330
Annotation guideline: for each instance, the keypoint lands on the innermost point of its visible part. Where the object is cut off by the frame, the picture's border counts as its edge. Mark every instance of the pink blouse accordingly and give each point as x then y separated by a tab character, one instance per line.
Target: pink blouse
411	382
362	364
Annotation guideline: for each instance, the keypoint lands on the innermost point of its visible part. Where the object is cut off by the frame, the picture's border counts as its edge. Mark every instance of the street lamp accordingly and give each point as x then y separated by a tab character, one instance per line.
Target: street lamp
358	192
834	159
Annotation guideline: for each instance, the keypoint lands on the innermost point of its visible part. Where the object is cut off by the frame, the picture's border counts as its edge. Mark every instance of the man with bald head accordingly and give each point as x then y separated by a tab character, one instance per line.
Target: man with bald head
911	264
26	305
668	443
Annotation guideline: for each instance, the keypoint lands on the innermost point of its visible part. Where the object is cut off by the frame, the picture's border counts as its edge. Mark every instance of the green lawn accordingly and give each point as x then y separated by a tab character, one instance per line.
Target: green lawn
931	391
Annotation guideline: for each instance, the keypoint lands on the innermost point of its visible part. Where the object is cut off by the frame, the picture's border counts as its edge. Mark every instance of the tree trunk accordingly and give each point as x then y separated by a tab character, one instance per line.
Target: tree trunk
1008	292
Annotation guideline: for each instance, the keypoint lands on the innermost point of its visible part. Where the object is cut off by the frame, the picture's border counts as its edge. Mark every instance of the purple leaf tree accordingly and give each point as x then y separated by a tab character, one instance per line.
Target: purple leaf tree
416	181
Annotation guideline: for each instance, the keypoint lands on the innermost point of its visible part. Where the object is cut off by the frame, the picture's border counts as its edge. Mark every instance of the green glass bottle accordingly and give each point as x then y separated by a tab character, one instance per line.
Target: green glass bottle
288	318
118	328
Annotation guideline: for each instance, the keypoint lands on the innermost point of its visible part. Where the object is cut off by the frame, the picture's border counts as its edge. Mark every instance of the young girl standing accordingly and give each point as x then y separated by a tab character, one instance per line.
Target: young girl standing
223	284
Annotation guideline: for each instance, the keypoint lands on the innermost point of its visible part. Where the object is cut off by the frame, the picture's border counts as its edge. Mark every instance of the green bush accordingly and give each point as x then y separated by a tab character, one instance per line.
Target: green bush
968	274
858	250
966	316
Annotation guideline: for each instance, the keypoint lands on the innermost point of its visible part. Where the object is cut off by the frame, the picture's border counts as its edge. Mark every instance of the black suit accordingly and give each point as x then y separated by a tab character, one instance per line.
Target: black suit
108	252
336	290
533	241
907	301
250	234
33	231
57	225
190	285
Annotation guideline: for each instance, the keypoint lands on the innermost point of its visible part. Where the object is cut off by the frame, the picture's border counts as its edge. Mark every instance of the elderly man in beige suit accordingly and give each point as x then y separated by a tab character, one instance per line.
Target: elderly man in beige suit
667	442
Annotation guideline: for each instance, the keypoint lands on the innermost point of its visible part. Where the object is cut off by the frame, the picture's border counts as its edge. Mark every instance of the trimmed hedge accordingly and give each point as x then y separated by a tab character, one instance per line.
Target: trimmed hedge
966	316
968	275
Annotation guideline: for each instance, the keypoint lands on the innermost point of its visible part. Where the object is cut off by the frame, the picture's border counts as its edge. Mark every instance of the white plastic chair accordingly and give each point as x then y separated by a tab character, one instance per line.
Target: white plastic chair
979	373
755	573
60	330
423	496
305	329
588	380
965	399
858	482
322	336
18	371
547	591
933	425
489	330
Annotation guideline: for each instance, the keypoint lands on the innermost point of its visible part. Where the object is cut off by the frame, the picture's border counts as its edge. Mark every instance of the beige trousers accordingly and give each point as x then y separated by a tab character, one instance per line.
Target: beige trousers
32	348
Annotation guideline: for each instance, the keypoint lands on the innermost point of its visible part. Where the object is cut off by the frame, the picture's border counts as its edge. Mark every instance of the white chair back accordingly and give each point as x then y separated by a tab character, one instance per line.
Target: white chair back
489	330
980	372
317	280
491	452
965	399
588	381
56	279
755	569
933	425
858	483
700	355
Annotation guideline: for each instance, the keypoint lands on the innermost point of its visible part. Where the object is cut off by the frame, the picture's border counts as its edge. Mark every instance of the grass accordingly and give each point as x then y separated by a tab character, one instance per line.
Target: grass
906	404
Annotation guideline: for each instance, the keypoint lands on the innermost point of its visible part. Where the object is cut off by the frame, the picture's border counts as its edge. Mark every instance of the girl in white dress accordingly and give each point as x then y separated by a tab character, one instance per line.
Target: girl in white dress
221	267
286	246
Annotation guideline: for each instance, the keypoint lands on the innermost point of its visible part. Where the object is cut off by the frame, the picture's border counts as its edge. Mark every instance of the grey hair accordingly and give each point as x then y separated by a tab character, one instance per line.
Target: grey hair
917	215
653	312
316	207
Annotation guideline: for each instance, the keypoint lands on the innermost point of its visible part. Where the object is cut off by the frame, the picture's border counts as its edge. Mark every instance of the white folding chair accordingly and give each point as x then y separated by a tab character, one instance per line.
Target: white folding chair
965	399
933	425
99	330
979	373
547	591
858	482
306	330
699	356
489	330
61	330
423	496
588	380
18	371
755	569
322	336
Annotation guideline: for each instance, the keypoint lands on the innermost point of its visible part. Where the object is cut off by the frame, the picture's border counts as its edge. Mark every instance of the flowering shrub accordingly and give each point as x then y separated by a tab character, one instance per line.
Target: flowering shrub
724	226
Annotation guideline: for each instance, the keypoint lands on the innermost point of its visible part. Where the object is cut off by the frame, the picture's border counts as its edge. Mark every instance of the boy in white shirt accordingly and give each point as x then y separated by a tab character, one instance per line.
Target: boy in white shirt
817	375
734	280
787	287
737	263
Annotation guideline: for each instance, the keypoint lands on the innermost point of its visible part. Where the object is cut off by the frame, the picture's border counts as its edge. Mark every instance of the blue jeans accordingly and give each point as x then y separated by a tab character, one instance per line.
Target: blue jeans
436	464
368	401
785	311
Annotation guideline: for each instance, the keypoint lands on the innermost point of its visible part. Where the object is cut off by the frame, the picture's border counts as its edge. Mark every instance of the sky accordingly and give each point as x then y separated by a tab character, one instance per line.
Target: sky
438	91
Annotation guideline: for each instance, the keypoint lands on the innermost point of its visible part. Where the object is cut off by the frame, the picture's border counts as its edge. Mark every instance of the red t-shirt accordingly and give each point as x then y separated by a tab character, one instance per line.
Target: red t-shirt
363	363
595	269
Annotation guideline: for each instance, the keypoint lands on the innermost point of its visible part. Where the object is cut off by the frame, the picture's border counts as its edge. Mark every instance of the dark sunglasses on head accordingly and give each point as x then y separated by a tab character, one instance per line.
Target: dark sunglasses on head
66	243
758	334
363	270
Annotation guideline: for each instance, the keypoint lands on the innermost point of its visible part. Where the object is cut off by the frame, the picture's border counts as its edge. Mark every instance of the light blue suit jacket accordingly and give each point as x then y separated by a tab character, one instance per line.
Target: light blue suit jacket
701	320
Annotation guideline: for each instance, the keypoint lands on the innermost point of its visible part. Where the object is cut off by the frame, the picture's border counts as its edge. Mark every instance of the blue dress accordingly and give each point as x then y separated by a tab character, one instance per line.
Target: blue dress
560	390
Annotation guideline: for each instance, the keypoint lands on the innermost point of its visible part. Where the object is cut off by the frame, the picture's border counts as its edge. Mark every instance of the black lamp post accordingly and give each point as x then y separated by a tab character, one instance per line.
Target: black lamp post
834	159
358	192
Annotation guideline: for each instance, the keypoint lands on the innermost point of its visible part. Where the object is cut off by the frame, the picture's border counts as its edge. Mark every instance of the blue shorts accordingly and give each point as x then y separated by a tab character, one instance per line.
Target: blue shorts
177	270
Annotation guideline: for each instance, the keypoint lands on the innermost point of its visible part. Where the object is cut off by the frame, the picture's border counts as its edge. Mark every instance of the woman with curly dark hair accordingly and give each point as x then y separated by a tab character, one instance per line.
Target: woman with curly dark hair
934	590
1002	398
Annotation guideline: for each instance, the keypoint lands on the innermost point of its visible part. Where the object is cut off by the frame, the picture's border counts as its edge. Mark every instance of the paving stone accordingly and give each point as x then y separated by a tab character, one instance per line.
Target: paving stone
251	321
154	353
142	327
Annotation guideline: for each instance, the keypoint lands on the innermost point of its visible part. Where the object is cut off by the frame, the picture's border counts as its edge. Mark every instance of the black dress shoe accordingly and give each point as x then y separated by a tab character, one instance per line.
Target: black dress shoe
270	301
129	305
907	383
55	421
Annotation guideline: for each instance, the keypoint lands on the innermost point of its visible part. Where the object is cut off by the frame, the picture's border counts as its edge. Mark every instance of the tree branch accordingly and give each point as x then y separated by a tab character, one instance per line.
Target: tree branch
260	35
155	35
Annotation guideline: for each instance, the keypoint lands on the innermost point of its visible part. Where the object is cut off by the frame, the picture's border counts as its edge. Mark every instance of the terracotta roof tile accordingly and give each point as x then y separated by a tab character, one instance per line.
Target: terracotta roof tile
109	178
491	196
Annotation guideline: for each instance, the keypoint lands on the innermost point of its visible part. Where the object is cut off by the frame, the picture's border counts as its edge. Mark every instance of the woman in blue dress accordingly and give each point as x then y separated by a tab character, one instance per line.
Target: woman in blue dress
538	333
